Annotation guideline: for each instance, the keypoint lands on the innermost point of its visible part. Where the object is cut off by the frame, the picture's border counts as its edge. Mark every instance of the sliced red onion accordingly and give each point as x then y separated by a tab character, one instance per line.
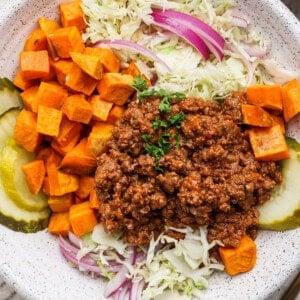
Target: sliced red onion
239	22
74	239
254	51
211	37
118	281
123	292
183	31
124	44
136	290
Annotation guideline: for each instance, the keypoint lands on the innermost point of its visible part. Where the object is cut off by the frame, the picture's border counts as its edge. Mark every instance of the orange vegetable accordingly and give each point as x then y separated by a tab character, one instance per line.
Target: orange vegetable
62	68
36	41
79	81
278	120
134	71
82	218
256	116
268	143
90	64
48	26
68	130
25	133
241	259
115	87
22	83
61	203
34	172
34	64
51	94
95	202
79	160
86	185
291	99
71	14
59	223
110	62
43	154
63	150
29	98
115	114
65	40
48	120
101	132
78	109
267	96
100	108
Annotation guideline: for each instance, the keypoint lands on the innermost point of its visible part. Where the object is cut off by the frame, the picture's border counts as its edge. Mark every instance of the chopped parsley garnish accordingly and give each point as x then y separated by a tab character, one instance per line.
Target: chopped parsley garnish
140	84
158	123
176	119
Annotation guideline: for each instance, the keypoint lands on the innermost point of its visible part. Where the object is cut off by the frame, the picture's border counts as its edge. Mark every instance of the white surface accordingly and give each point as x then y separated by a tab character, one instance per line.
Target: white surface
33	264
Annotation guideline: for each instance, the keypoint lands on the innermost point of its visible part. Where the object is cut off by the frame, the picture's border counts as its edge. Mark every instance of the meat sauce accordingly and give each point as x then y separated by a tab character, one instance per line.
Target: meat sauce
207	177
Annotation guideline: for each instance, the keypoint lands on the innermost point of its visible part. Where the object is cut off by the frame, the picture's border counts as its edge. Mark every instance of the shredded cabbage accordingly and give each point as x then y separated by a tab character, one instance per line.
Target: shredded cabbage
190	74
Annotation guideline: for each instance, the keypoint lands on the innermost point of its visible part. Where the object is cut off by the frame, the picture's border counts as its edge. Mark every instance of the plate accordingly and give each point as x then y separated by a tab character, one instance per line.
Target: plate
33	264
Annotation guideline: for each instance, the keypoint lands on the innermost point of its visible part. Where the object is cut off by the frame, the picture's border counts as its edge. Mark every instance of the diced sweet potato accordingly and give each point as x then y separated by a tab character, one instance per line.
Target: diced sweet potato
71	14
48	26
29	98
62	68
25	133
78	109
110	62
82	218
66	40
61	203
36	41
115	87
79	160
134	71
278	120
86	185
95	202
79	81
267	96
51	95
68	130
59	224
63	150
115	114
256	116
48	120
34	172
101	132
100	108
22	83
268	143
90	64
291	99
34	64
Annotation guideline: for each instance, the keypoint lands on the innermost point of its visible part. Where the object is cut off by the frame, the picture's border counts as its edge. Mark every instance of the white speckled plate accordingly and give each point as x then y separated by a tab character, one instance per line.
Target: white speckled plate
32	263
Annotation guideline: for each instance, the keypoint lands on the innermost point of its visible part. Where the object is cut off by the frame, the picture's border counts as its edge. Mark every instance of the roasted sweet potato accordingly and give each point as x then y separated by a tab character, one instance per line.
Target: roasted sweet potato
115	114
71	14
36	41
59	223
100	108
291	99
29	98
256	116
86	185
61	203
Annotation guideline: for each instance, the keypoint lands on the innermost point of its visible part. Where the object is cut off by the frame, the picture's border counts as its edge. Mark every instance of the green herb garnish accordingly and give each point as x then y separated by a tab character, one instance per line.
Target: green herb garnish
176	119
140	84
158	123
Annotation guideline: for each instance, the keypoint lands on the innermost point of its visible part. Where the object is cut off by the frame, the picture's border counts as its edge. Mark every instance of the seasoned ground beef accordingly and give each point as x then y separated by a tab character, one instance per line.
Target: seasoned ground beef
208	176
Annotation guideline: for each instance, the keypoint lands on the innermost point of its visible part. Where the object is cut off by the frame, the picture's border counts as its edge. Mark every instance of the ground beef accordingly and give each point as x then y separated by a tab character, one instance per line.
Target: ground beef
208	177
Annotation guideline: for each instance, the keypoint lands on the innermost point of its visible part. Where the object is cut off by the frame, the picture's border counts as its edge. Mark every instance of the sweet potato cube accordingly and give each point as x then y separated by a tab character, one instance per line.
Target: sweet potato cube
34	172
61	203
79	81
62	68
267	96
134	71
48	121
51	95
115	87
48	26
71	14
86	185
268	143
278	120
59	223
22	83
78	109
95	202
43	153
25	133
68	130
63	150
110	62
66	40
256	116
101	132
34	64
89	64
291	99
100	108
115	114
79	160
82	218
29	98
36	41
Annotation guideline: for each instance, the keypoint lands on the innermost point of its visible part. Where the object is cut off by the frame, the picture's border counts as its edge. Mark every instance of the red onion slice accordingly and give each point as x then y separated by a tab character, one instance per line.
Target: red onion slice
124	44
74	239
183	31
118	281
203	30
136	290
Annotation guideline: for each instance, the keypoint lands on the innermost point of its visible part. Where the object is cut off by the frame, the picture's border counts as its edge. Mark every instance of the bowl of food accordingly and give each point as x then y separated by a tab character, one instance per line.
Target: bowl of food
149	150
